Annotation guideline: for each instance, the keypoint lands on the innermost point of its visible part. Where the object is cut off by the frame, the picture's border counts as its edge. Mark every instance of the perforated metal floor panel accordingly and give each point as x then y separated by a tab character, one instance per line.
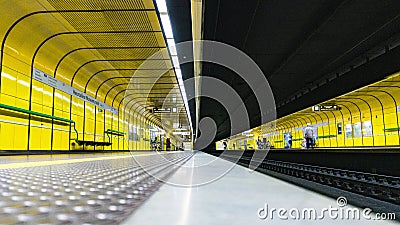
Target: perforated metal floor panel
94	192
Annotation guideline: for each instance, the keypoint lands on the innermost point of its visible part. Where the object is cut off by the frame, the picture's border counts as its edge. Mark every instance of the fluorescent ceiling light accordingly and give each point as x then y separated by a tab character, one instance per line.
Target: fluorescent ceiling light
162	6
175	61
178	73
181	86
167	26
171	46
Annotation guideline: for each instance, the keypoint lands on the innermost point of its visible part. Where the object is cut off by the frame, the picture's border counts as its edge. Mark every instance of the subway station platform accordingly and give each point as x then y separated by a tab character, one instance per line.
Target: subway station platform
234	198
153	188
117	112
79	189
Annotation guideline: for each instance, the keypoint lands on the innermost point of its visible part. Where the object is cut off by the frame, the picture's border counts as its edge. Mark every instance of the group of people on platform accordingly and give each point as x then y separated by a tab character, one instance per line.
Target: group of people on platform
263	144
308	139
156	145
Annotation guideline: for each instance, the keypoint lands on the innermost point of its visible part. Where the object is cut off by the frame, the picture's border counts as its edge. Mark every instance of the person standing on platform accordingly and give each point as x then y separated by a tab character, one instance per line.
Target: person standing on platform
289	140
309	135
168	144
259	144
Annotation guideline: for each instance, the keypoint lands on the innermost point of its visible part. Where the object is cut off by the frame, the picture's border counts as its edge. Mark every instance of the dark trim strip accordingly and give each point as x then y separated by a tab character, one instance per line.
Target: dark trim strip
96	48
370	111
33	62
351	122
359	110
113	60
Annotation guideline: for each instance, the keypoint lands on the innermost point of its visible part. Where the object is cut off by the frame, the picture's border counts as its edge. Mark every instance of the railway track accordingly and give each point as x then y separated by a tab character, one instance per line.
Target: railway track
376	186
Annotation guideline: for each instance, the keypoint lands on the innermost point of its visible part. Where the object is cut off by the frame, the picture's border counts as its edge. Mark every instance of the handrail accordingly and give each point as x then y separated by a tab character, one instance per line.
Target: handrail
392	129
77	134
13	108
113	132
30	112
298	139
327	136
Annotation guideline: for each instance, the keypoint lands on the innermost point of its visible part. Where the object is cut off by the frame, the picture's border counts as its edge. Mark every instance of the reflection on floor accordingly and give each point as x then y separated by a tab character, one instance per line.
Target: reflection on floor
233	198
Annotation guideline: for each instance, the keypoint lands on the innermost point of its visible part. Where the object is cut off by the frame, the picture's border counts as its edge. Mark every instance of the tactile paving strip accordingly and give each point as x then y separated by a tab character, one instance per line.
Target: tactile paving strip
96	192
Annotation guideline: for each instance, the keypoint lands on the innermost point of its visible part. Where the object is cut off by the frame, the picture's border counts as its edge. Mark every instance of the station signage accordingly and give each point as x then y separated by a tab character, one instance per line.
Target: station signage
59	85
247	133
161	110
325	108
181	133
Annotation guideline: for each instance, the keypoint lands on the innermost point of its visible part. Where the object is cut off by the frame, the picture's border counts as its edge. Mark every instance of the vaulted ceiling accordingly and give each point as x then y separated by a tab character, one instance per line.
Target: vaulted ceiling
96	46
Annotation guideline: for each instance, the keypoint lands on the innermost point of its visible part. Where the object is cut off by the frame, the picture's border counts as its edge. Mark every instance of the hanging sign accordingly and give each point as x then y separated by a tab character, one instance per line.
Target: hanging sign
181	133
326	108
161	110
59	85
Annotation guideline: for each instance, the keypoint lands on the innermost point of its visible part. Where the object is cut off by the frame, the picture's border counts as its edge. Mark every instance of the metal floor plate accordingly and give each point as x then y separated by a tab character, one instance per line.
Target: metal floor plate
94	192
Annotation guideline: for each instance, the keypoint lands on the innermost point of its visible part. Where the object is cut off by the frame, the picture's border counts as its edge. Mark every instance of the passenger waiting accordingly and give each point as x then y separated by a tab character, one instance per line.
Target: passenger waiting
309	136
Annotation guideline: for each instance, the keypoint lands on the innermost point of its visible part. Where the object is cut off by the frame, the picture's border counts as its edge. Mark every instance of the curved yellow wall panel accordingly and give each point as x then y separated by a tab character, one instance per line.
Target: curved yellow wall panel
369	116
82	50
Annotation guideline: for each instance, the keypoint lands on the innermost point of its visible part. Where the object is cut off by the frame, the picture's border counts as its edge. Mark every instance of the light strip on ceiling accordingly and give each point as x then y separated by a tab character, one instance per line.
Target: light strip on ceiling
166	25
197	36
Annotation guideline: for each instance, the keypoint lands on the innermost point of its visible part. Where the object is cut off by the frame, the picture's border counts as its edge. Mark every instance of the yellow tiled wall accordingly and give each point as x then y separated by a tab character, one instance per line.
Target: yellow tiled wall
46	134
378	108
